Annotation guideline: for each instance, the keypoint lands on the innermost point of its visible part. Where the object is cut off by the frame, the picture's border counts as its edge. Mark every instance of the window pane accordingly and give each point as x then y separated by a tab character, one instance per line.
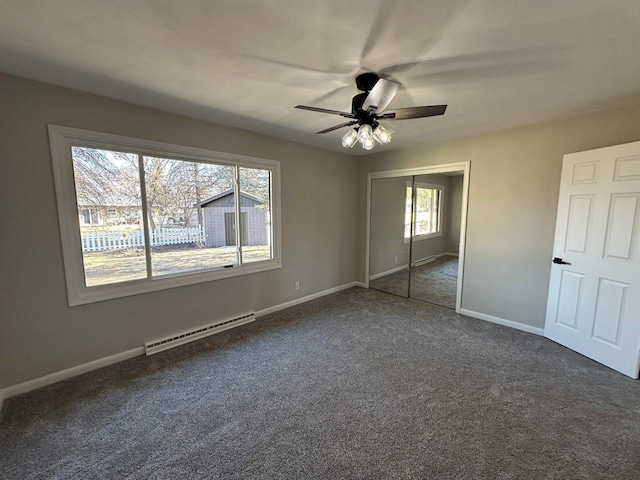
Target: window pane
423	210
109	211
191	213
426	211
255	192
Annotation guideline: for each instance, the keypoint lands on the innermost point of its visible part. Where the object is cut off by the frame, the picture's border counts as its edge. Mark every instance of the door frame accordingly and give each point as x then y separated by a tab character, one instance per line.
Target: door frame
464	167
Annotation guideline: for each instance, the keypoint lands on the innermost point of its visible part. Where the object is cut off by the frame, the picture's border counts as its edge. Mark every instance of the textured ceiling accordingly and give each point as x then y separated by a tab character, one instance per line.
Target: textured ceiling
246	63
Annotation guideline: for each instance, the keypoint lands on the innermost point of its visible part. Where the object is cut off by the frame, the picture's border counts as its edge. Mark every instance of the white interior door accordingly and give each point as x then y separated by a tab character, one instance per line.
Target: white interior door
594	297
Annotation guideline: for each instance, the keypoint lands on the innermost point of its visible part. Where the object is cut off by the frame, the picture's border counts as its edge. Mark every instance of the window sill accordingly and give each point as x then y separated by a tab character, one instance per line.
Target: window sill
419	238
86	295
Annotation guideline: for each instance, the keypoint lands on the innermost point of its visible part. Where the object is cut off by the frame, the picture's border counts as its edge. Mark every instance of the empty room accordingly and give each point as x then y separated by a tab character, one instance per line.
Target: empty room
327	239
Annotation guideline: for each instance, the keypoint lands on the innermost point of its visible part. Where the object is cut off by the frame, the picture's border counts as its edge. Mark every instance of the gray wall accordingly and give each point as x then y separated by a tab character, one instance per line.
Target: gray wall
388	196
40	334
513	194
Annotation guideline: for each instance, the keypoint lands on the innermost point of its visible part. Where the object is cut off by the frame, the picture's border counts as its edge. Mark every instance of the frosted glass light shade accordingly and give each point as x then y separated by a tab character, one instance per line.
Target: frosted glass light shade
368	143
364	133
350	138
382	134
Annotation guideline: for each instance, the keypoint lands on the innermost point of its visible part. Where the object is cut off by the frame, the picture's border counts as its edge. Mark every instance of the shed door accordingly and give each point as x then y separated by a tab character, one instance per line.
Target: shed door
230	228
594	293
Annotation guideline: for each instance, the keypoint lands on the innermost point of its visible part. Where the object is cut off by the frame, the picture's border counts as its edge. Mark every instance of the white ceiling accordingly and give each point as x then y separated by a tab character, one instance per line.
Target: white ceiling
246	63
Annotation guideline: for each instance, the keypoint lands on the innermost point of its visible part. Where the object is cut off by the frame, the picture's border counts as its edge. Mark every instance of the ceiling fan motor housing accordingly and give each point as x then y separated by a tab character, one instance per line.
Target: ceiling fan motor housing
363	116
366	81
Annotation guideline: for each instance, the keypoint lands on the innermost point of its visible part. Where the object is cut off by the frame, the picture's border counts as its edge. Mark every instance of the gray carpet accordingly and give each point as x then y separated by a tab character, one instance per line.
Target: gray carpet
434	282
397	283
359	384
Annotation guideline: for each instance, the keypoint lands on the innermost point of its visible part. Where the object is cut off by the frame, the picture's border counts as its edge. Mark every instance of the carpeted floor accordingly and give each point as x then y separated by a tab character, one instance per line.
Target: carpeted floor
359	384
396	283
434	282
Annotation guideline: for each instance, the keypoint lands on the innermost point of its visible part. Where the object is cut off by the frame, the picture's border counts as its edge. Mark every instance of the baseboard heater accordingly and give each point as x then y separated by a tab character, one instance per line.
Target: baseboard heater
190	336
424	260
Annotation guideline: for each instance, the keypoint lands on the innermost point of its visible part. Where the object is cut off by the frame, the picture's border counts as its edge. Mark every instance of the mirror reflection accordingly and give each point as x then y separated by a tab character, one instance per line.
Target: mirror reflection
437	202
389	241
415	236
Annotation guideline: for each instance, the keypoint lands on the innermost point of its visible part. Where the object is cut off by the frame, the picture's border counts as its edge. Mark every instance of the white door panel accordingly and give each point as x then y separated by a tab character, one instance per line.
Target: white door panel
569	299
580	218
623	209
594	295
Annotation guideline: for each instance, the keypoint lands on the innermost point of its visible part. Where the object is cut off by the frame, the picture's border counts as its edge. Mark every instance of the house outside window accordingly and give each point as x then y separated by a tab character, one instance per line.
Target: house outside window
170	211
89	216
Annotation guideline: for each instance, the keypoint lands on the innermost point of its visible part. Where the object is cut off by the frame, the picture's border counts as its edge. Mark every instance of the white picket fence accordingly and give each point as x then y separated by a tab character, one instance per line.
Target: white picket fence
96	241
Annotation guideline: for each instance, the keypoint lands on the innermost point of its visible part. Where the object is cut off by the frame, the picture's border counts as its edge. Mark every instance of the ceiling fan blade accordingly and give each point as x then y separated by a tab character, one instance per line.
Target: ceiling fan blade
381	95
414	112
336	127
325	110
378	28
330	94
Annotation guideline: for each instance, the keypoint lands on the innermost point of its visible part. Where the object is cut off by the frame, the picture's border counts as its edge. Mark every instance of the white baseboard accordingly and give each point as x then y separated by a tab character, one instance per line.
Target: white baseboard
313	296
134	352
404	267
502	321
68	373
388	272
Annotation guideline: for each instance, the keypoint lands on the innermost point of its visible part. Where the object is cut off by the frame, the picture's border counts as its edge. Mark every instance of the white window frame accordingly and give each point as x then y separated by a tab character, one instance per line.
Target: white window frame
426	236
63	138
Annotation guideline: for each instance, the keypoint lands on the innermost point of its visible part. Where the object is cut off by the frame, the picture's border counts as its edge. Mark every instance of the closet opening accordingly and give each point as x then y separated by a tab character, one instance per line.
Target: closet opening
416	227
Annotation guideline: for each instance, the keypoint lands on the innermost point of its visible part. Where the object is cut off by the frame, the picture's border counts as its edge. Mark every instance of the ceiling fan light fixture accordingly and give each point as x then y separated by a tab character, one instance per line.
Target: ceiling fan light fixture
382	135
350	138
368	143
365	136
369	107
364	133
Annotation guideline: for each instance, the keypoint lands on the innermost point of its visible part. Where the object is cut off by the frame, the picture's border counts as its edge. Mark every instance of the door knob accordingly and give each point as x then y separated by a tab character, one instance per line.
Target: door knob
559	261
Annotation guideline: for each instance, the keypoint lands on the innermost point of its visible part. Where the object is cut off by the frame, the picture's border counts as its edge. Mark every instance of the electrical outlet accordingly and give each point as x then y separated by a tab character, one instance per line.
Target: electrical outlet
297	285
396	259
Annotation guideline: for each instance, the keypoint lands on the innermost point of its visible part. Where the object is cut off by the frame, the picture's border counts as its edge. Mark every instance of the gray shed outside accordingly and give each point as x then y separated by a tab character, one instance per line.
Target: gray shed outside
219	212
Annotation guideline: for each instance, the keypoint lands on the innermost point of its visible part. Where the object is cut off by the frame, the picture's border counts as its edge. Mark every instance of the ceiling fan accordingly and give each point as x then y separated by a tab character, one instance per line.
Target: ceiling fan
368	108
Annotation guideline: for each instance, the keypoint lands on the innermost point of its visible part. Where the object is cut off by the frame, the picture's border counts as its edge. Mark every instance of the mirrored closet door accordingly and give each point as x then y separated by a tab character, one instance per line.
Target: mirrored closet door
435	238
389	236
415	236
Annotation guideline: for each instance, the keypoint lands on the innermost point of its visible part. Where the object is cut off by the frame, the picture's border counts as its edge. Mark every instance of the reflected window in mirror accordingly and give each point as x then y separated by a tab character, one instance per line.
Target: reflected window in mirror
427	213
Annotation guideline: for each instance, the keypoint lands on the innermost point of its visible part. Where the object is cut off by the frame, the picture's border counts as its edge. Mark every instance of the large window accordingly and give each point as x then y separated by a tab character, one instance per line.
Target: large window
138	216
427	212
